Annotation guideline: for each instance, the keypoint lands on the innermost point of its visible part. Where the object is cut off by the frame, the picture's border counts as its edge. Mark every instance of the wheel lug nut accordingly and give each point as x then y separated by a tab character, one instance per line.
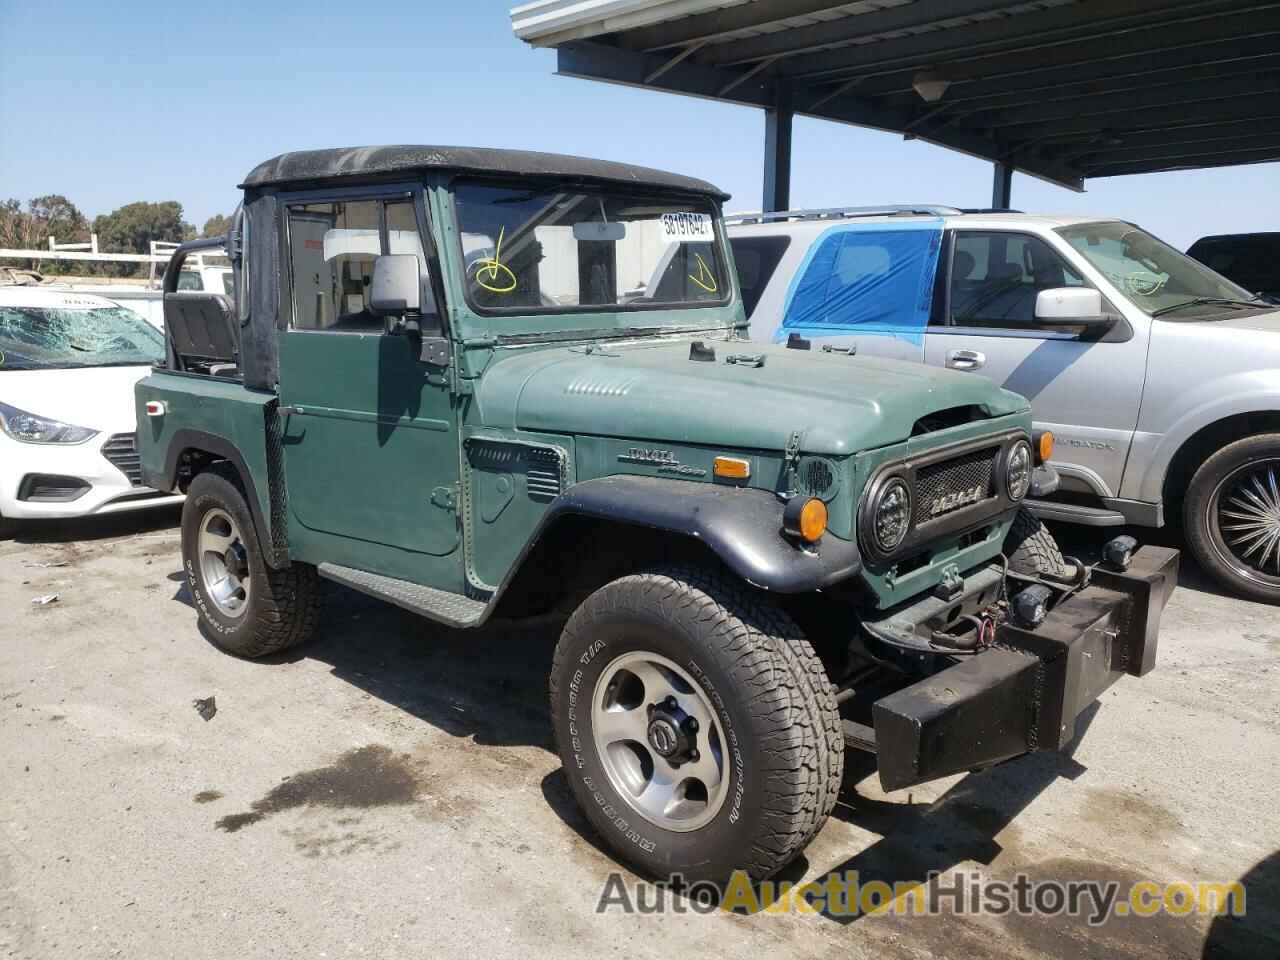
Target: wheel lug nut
691	725
670	703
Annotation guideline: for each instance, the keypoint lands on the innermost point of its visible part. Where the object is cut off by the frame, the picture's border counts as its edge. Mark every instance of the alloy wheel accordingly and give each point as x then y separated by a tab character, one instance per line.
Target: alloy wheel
660	741
224	563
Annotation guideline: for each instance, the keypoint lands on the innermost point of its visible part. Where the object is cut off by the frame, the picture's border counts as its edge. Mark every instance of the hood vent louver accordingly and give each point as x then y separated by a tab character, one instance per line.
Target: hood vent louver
948	418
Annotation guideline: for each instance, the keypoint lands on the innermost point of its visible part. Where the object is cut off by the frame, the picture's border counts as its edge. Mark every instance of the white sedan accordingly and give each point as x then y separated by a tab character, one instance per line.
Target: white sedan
68	365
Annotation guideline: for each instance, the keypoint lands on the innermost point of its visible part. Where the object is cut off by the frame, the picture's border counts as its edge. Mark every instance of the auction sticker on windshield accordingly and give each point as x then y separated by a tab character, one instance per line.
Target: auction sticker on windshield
685	227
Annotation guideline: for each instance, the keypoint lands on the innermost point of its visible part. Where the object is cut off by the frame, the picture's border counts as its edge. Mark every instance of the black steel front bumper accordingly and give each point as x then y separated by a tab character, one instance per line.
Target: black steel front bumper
1025	692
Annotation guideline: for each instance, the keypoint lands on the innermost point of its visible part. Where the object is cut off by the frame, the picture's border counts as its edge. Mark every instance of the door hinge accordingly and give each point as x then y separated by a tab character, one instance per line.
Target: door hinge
446	498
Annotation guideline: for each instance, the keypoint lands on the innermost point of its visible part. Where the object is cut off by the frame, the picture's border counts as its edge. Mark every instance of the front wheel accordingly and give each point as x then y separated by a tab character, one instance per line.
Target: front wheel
245	607
1232	517
697	726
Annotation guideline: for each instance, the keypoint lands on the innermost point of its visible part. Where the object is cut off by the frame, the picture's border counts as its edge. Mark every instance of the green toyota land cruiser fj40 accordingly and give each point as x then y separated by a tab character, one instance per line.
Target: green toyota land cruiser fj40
486	384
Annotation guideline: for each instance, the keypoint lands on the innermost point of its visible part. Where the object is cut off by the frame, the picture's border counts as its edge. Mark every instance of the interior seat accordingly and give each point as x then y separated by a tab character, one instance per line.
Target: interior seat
202	329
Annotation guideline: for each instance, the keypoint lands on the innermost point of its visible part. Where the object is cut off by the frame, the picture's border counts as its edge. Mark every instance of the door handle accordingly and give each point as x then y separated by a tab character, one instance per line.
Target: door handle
966	359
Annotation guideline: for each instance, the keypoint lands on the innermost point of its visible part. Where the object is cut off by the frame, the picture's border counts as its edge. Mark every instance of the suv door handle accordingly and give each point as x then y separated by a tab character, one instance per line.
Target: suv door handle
966	359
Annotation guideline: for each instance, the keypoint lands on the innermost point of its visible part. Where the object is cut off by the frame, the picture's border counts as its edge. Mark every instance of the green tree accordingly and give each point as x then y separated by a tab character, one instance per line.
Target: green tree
59	218
216	226
44	217
131	228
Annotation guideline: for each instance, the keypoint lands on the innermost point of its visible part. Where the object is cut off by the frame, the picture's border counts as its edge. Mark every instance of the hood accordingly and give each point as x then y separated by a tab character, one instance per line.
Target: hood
100	398
1270	322
652	391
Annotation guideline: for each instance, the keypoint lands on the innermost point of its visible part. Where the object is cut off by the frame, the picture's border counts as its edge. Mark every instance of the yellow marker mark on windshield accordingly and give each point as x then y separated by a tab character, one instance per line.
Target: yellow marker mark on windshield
490	271
705	278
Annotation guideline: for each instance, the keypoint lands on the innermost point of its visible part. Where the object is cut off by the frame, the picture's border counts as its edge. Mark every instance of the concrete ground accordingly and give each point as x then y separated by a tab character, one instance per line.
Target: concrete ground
391	791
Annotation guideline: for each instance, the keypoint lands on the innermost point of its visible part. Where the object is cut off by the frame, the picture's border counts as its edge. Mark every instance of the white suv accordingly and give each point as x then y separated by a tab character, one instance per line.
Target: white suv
1159	378
68	365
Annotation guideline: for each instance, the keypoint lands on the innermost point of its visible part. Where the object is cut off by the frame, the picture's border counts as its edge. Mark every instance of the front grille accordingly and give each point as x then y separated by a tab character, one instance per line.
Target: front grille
122	450
942	488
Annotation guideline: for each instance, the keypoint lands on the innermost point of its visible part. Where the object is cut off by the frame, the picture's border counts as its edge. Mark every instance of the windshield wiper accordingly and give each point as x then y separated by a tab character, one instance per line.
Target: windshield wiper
1207	301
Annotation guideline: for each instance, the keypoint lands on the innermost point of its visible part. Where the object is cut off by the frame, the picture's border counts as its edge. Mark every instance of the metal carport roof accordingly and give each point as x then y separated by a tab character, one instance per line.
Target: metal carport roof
1064	90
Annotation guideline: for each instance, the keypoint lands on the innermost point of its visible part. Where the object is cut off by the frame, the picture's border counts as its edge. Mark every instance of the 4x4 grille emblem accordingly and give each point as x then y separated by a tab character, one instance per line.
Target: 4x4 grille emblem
951	501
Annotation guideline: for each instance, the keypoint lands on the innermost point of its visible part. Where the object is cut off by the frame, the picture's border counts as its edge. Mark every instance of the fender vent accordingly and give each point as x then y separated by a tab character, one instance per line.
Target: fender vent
817	478
542	467
542	474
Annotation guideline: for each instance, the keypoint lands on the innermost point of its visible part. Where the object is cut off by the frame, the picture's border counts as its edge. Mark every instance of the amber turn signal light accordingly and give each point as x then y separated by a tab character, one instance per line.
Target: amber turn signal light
1044	447
805	518
731	468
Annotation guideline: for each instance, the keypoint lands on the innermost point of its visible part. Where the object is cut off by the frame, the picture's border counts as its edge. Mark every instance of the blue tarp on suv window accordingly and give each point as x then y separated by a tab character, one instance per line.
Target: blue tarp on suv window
874	278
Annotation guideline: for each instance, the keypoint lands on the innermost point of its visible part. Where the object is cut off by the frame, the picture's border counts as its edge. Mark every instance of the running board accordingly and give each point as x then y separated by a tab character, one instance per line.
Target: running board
1073	513
448	608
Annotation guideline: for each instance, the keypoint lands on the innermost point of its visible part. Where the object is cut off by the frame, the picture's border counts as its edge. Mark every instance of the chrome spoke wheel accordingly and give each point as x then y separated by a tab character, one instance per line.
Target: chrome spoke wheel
1247	508
224	563
660	741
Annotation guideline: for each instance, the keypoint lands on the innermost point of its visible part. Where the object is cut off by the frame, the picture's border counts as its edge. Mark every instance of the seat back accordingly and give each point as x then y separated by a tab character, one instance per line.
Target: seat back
202	328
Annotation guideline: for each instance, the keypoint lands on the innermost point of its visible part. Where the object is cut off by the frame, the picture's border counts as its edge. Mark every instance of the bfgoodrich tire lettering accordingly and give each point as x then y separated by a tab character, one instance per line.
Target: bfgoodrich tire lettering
282	607
771	697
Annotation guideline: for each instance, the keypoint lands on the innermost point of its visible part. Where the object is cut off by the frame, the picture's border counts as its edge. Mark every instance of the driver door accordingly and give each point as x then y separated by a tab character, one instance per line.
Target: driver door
370	432
1086	391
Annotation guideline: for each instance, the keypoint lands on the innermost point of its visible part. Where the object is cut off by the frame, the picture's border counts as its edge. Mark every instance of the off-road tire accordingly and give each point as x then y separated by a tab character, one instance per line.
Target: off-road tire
1032	549
769	692
1200	520
283	606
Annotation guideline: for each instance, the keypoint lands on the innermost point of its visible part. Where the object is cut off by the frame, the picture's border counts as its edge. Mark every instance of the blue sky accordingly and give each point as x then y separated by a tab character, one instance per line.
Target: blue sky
114	102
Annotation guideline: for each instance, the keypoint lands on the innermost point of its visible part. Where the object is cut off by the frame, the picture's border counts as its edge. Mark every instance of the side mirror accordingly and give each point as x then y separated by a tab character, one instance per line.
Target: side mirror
1072	307
397	285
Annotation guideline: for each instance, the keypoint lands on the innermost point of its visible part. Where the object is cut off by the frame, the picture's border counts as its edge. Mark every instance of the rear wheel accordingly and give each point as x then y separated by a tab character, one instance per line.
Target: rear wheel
1232	517
246	607
697	726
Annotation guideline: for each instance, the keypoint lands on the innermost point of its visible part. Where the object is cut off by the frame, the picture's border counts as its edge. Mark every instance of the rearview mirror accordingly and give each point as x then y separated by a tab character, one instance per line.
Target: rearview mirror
397	285
600	232
1071	307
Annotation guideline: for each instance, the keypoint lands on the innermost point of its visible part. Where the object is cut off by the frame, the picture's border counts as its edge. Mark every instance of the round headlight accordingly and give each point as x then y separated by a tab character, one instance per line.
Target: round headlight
892	515
1018	470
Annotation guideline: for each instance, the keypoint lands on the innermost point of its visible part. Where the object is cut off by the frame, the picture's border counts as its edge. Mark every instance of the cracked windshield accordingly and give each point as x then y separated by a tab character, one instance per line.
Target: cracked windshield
1157	278
532	248
71	335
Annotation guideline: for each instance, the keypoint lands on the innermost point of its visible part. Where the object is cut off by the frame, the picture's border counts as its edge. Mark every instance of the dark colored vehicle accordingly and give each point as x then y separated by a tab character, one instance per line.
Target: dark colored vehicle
487	384
1250	259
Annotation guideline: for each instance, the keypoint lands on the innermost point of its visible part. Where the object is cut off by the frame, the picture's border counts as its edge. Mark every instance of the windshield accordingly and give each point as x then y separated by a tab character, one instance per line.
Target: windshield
41	338
1149	272
554	249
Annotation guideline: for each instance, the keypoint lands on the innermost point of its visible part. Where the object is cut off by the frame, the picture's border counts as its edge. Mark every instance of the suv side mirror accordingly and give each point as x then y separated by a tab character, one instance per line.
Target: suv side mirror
397	285
1072	307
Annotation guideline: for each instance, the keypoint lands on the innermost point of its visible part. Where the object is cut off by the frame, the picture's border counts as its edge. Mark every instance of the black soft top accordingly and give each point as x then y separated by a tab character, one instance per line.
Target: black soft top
342	162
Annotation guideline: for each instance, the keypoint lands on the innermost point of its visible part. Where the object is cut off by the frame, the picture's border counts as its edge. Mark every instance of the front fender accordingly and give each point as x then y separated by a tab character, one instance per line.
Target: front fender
743	527
1179	415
